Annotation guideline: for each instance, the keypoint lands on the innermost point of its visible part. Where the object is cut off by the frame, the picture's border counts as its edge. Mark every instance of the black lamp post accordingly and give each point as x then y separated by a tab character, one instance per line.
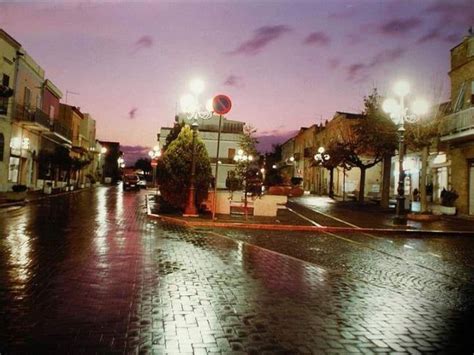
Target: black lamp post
190	209
321	158
399	113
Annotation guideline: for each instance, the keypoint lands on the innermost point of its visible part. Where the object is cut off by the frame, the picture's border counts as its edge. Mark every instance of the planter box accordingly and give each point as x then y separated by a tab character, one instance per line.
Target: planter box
14	196
449	211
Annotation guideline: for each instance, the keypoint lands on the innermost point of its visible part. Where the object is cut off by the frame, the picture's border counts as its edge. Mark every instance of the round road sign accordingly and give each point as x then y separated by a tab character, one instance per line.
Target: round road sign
221	104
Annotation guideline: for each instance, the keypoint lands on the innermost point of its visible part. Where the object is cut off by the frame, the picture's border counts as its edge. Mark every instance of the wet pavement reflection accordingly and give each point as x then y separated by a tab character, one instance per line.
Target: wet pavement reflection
89	272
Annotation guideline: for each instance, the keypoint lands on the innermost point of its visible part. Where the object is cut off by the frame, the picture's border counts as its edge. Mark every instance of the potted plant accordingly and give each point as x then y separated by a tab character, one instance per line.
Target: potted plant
448	197
18	193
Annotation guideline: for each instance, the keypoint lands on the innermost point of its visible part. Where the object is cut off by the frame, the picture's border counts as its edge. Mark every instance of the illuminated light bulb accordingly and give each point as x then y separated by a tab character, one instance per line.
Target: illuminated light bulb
196	86
209	105
401	88
188	103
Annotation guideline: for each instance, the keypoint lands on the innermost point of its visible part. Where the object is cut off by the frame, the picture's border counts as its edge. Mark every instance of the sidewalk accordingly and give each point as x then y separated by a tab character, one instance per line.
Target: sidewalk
33	196
312	213
371	215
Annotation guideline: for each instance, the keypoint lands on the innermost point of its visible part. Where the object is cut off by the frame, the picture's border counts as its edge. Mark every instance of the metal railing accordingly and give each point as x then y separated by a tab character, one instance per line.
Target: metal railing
34	115
63	131
458	122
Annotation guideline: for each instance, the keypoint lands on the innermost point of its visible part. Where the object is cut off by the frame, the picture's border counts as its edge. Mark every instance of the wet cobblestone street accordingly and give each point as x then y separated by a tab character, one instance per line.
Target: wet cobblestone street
89	272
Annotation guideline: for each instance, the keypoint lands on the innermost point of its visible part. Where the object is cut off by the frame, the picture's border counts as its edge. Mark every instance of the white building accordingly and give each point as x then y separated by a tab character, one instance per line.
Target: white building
231	133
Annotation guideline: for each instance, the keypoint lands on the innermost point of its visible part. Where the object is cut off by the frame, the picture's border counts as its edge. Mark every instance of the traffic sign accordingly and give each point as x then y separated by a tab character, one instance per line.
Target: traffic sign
221	104
154	163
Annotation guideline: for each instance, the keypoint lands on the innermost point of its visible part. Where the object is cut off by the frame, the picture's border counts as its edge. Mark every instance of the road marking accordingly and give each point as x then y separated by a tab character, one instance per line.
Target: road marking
335	218
435	255
408	246
304	217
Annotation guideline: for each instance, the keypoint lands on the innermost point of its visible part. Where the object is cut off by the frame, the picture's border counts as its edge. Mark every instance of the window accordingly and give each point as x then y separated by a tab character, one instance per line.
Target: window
51	112
5	80
27	97
4	100
459	101
2	146
14	169
472	93
231	153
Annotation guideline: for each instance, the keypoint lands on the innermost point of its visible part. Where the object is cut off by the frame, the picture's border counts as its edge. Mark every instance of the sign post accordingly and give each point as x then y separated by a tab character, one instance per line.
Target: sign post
221	105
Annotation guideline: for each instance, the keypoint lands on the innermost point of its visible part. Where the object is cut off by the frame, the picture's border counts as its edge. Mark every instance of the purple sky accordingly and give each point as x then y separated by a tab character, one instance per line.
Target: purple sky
284	64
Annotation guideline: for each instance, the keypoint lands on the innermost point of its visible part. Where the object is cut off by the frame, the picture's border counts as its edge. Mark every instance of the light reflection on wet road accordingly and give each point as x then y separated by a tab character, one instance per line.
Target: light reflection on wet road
89	272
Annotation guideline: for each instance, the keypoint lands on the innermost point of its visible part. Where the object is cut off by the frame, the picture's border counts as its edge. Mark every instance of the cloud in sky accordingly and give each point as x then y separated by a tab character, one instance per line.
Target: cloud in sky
334	63
262	37
144	42
437	35
267	139
359	71
460	13
233	80
317	38
132	113
134	152
400	26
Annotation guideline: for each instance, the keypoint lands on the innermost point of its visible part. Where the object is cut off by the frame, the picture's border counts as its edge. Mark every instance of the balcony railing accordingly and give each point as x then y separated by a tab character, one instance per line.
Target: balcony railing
458	123
63	131
26	114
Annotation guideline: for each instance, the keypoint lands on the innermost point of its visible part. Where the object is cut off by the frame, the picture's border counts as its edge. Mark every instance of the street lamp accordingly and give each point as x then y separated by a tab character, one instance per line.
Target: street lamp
245	159
154	155
191	108
399	114
321	157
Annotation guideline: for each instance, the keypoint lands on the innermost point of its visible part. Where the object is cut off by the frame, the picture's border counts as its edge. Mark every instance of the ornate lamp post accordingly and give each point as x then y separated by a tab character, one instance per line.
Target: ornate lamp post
191	108
321	158
244	159
154	155
399	114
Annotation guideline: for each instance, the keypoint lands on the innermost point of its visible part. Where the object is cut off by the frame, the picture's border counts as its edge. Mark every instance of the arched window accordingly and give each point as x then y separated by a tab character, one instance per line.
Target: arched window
2	146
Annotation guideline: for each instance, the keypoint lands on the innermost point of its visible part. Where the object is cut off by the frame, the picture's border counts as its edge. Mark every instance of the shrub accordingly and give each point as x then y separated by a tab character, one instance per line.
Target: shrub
19	188
448	197
295	180
174	169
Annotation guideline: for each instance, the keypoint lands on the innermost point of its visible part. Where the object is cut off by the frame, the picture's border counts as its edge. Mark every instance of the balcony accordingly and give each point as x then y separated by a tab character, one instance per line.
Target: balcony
59	134
458	126
33	119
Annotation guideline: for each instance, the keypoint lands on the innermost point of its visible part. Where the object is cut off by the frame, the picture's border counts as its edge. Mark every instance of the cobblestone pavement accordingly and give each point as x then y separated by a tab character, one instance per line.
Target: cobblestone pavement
89	273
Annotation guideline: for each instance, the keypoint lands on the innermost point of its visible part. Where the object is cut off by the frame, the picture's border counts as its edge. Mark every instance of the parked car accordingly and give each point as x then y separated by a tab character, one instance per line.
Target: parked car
131	181
142	183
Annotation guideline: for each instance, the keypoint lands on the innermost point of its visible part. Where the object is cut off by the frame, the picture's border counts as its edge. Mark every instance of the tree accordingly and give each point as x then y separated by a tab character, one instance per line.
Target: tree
174	133
248	145
273	176
369	140
143	164
174	170
420	135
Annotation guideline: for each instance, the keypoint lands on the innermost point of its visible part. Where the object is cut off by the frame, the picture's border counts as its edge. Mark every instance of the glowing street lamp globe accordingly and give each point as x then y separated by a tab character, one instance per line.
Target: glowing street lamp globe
402	88
196	86
420	107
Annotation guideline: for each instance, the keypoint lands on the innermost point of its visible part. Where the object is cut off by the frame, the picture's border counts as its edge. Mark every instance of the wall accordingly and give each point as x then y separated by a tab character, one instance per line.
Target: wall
462	70
460	179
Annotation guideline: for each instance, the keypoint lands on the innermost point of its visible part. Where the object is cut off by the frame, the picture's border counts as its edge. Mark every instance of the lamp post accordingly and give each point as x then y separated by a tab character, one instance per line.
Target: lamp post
191	108
154	155
245	159
321	157
399	114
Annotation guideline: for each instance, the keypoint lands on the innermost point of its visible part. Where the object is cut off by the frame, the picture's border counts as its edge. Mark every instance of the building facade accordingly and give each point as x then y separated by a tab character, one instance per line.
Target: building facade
9	53
455	165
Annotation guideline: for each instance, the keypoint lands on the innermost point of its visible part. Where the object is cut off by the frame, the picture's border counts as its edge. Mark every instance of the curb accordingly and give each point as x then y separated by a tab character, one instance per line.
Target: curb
289	227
